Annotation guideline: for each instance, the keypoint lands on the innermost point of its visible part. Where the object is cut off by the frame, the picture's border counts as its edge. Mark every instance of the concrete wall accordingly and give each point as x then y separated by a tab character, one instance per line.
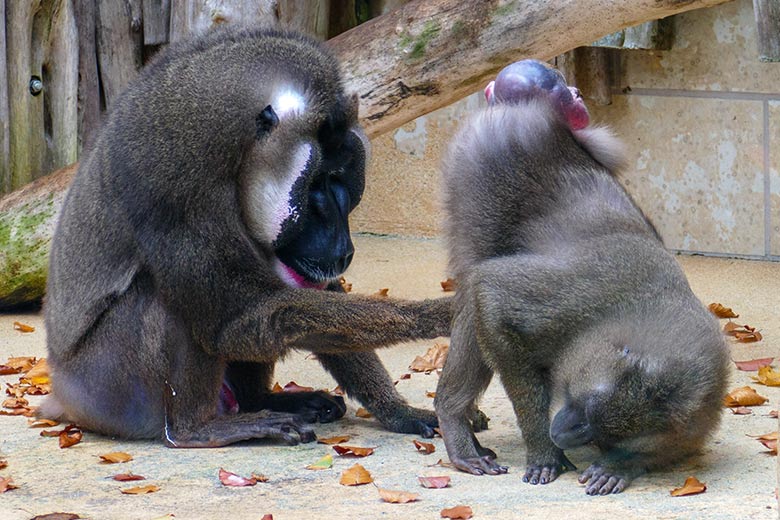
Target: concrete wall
702	125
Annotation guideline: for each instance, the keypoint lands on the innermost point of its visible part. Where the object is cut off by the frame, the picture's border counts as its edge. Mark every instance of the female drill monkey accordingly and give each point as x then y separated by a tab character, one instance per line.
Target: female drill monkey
566	290
192	240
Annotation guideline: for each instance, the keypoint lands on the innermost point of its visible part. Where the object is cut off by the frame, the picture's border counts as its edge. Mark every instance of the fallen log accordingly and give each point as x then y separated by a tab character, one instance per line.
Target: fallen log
422	56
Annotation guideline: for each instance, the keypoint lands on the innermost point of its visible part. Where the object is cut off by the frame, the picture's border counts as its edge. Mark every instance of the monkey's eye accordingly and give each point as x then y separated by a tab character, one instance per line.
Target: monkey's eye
265	121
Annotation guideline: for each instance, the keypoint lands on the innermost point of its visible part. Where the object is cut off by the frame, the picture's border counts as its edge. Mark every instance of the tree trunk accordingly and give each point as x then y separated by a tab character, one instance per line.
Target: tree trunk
422	56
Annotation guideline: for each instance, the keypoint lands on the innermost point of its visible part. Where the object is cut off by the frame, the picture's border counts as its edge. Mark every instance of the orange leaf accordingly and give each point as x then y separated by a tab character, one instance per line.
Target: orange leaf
769	440
748	337
741	410
382	292
268	516
448	285
3	463
434	482
334	440
116	457
753	364
23	327
16	402
69	436
5	370
140	490
259	477
743	396
457	512
425	448
6	484
277	388
293	387
405	376
38	372
232	480
41	423
767	376
21	363
353	450
692	486
432	395
345	284
721	311
337	391
57	516
357	475
127	477
432	360
363	413
397	497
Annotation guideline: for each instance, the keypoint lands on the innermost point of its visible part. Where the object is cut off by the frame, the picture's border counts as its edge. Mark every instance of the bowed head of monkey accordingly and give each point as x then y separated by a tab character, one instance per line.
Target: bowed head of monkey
566	290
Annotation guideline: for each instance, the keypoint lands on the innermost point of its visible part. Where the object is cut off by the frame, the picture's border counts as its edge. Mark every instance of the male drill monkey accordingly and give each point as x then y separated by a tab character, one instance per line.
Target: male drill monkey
185	261
566	290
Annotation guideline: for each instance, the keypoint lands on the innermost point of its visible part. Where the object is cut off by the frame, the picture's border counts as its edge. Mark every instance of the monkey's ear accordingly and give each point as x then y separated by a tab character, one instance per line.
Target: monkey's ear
265	121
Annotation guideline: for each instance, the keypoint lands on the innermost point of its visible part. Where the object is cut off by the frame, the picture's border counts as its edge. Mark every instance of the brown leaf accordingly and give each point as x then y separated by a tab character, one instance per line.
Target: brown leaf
6	484
382	293
293	387
16	402
345	284
430	394
3	463
692	486
259	477
21	363
50	433
741	410
277	388
441	462
767	376
232	480
27	412
337	391
38	374
434	482
357	475
23	327
127	477
433	359
353	450
753	364
5	370
425	448
457	512
748	337
41	423
448	285
743	396
140	490
363	413
268	516
116	457
70	436
773	414
405	376
742	333
721	311
397	497
57	516
771	436
338	439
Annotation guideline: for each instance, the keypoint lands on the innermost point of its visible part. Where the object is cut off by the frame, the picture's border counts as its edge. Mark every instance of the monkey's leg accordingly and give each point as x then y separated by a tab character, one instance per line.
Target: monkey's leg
464	378
363	377
251	383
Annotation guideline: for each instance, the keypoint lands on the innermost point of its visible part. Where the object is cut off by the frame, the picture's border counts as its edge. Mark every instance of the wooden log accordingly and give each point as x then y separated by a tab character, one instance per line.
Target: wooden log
89	113
5	127
119	45
767	14
424	55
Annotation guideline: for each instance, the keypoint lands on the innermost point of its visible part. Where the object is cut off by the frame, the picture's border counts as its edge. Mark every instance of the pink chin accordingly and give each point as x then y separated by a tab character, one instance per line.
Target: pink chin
296	280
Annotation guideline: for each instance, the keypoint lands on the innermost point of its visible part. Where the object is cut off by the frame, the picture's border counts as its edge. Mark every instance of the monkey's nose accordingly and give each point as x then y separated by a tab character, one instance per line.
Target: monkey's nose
343	262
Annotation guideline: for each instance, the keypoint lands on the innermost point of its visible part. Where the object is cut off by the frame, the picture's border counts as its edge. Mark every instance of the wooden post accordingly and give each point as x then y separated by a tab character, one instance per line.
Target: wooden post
768	21
119	45
5	126
198	16
89	113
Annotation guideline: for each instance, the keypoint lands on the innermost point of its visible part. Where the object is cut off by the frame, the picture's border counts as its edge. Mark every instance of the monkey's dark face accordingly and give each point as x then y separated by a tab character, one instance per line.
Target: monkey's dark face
305	175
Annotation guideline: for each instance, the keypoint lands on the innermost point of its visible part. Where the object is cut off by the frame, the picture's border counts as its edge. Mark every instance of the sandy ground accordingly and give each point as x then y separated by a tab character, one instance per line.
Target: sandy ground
741	479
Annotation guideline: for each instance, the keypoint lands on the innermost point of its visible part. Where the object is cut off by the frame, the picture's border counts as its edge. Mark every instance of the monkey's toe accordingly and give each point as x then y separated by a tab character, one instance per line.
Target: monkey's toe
479	465
546	473
602	481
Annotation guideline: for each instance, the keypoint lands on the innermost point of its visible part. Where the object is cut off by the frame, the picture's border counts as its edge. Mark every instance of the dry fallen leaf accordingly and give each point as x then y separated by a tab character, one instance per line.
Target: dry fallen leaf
5	370
430	394
357	475
334	440
169	516
57	516
753	364
140	490
6	484
743	396
16	402
21	363
721	311
425	448
38	374
773	414
442	464
68	436
433	359
434	482
259	477
769	440
692	486
3	463
325	462
293	387
232	480
382	292
405	376
268	516
277	388
115	457
23	327
457	512
363	413
741	410
337	391
448	285
767	376
42	423
743	333
353	450
127	477
345	284
397	497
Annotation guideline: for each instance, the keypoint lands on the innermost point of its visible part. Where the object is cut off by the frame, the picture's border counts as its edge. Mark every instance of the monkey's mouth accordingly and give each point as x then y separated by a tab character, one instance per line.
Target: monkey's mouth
294	279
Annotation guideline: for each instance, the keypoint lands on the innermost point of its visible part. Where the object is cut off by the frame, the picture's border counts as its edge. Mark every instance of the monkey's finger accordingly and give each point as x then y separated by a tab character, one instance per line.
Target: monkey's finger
595	487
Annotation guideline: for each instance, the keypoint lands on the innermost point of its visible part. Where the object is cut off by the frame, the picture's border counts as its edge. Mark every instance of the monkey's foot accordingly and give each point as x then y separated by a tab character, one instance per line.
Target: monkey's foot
602	480
484	465
407	419
311	406
546	473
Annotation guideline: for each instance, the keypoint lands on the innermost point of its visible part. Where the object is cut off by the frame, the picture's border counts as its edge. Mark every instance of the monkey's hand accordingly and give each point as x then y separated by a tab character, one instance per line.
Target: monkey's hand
603	478
403	418
311	406
546	472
